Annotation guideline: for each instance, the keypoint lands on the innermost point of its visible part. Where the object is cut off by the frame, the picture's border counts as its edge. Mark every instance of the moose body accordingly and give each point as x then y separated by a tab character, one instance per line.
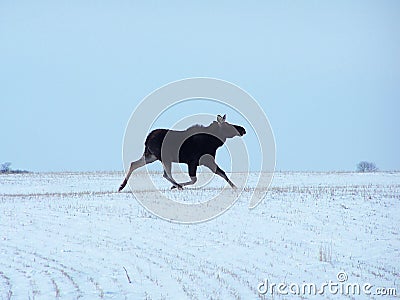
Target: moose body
194	146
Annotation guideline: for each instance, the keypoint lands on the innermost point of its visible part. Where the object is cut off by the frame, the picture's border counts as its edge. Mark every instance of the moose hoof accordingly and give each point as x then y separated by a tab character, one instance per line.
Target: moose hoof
121	187
178	186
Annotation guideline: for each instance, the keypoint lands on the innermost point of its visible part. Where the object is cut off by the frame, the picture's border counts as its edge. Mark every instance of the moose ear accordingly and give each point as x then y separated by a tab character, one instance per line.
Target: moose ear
220	119
224	117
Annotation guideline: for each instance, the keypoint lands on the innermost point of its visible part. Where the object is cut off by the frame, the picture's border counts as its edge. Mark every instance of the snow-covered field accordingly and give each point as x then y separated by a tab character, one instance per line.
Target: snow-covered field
70	235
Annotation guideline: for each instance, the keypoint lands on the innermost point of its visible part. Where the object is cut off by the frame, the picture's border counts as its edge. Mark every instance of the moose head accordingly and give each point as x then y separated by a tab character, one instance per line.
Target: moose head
226	129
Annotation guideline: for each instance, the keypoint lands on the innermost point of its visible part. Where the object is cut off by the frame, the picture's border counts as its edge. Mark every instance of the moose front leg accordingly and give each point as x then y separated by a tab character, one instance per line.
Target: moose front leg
192	174
167	174
221	173
193	180
209	162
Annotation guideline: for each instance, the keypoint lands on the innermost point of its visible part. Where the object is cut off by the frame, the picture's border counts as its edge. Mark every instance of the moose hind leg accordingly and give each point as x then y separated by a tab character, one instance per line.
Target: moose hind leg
145	159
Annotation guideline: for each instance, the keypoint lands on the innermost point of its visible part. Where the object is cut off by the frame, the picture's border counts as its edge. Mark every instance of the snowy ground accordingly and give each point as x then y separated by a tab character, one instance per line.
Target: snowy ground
69	235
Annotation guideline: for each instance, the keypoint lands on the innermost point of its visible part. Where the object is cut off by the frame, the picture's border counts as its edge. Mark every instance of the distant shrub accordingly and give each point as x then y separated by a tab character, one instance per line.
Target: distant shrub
5	168
365	166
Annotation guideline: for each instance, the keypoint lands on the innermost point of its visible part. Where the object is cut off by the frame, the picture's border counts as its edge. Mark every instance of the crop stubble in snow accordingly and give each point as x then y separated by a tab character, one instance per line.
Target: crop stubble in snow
69	235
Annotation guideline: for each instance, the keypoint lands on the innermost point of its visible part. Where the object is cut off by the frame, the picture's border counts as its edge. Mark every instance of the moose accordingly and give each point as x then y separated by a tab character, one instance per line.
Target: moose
195	146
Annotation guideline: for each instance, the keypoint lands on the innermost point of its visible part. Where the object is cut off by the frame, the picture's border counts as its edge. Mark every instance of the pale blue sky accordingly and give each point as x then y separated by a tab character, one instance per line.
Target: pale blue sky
327	74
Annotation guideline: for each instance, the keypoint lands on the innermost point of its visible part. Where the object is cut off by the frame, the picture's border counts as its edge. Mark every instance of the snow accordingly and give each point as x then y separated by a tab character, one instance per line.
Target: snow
70	235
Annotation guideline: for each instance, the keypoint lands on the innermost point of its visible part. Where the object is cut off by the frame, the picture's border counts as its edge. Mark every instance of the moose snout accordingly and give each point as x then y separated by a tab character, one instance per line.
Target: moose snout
241	130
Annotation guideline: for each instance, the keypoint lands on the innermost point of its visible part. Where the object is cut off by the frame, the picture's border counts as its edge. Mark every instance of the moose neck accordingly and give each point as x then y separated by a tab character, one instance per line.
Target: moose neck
216	140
